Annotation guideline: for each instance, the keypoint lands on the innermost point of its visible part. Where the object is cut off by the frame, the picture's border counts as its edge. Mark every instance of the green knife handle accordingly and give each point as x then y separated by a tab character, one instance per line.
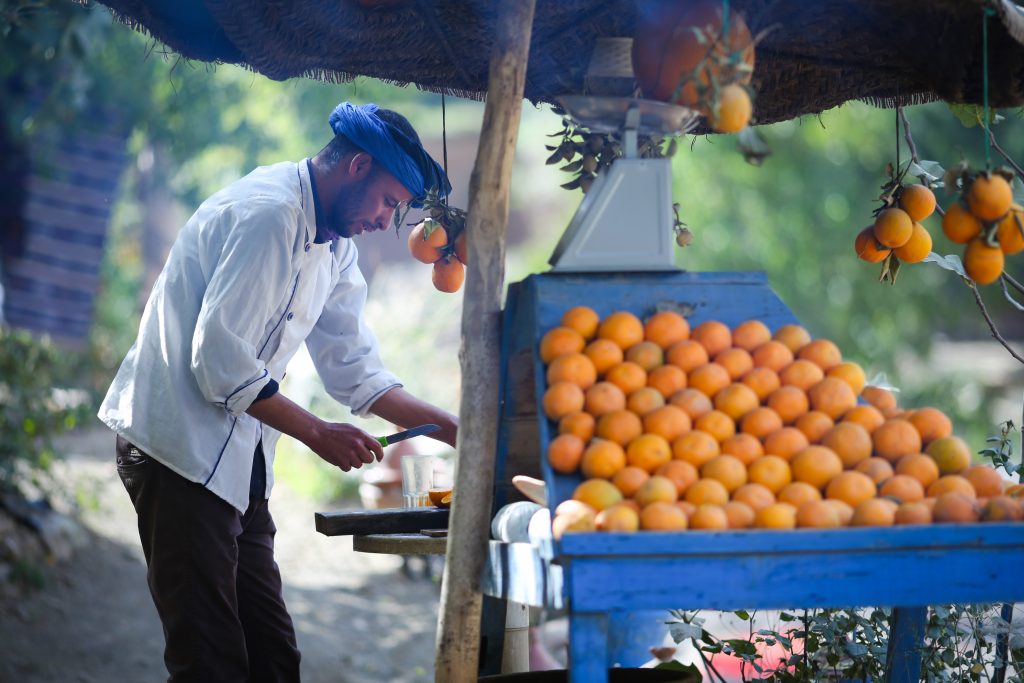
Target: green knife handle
382	440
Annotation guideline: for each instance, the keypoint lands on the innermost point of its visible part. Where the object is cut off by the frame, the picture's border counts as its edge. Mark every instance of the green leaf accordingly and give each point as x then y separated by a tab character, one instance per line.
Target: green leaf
742	614
971	115
679	666
949	262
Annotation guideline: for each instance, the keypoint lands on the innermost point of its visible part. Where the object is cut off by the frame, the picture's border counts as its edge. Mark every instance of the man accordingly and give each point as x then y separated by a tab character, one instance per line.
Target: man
262	266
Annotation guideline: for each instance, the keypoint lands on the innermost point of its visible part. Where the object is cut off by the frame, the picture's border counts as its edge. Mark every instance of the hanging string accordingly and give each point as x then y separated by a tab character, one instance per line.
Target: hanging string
444	142
725	29
984	80
898	107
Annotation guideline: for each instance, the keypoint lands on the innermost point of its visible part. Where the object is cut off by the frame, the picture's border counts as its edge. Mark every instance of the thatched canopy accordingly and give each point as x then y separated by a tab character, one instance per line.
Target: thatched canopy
817	53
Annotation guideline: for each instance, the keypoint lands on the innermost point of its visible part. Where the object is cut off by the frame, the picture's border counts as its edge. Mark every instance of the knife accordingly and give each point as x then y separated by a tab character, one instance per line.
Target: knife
407	434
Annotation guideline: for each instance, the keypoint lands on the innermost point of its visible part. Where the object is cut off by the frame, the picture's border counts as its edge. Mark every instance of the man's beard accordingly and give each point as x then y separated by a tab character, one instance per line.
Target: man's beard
341	216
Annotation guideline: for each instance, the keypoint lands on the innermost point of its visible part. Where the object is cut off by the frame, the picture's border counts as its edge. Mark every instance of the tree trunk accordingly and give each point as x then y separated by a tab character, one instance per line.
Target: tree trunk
458	633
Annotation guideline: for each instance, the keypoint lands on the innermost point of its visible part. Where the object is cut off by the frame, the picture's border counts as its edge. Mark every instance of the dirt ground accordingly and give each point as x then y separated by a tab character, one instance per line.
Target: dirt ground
358	618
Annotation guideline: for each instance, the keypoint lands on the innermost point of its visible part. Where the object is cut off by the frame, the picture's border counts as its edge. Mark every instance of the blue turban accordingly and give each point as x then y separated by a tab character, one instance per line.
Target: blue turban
402	156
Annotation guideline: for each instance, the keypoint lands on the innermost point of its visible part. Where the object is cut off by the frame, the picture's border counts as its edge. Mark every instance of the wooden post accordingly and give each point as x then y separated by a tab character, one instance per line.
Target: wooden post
458	632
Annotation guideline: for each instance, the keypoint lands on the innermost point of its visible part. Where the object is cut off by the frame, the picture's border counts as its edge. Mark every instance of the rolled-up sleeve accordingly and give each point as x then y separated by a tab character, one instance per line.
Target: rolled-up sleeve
344	349
247	263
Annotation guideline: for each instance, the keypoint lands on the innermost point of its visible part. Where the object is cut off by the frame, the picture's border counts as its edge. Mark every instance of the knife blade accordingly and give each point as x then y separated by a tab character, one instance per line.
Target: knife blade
408	434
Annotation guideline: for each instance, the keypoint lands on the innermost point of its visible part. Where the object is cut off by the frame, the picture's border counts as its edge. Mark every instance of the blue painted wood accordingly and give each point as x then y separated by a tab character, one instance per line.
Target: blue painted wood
906	635
588	647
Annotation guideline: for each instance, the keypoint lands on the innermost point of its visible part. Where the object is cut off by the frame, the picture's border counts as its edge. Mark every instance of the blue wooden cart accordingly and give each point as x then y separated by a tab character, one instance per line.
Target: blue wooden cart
603	575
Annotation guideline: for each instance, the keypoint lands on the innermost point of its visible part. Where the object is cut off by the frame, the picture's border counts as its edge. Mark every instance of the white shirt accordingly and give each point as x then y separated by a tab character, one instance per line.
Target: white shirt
243	287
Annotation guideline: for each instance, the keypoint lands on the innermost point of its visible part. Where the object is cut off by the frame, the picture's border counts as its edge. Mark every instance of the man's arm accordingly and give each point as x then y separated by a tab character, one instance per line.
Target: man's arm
340	444
400	407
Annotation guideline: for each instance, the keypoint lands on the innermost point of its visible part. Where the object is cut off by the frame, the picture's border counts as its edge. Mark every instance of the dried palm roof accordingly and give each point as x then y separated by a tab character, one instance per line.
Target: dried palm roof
817	53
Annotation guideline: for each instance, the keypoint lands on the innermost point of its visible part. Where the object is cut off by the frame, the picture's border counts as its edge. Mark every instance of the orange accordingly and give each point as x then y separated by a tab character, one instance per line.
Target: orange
867	416
832	396
986	481
786	442
727	469
919	466
851	487
744	447
739	515
822	352
1015	491
666	328
597	493
623	328
989	196
662	517
1010	232
627	376
896	438
603	398
950	453
918	201
751	334
437	496
604	354
717	424
955	508
1002	509
913	513
797	493
559	341
646	354
789	403
713	335
902	487
686	506
583	319
695	447
951	483
793	336
761	422
773	355
668	422
709	517
617	518
686	355
737	362
657	489
878	469
707	491
931	424
770	471
763	381
959	224
802	374
426	247
629	479
814	425
817	514
732	111
754	495
843	509
448	274
776	516
679	472
874	512
868	248
851	442
620	426
602	459
565	452
576	519
572	367
816	465
851	373
893	227
917	247
709	378
667	379
648	452
982	263
879	397
643	401
579	424
693	402
562	398
736	400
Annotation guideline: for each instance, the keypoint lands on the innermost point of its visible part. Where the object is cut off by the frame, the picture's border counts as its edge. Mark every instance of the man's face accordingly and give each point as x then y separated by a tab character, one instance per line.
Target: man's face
367	206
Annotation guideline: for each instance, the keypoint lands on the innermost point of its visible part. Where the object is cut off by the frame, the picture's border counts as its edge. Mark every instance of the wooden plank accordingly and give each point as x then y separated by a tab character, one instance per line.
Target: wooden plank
399	544
383	521
588	647
903	659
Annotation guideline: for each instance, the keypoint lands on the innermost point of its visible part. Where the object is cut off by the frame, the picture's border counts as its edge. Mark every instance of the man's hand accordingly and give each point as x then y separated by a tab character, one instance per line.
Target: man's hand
345	446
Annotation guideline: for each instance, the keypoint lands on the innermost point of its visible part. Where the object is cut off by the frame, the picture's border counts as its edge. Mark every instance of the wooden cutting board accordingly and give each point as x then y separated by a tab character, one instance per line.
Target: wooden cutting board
383	521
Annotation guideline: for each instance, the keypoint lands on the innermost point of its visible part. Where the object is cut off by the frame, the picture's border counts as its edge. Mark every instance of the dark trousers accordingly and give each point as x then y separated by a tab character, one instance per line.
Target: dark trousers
213	578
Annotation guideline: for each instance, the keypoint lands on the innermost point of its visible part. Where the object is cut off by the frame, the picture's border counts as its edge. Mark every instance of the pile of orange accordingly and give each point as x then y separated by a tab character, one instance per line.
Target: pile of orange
897	230
429	243
718	428
986	219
